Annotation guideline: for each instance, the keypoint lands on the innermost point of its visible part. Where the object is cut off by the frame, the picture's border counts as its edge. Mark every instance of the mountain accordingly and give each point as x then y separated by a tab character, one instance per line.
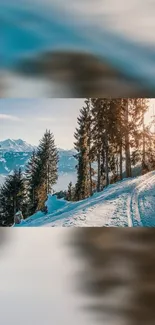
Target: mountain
19	145
16	153
11	160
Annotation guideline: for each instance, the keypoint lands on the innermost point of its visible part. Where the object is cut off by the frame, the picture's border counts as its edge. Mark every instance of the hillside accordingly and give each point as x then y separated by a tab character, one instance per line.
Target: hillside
128	203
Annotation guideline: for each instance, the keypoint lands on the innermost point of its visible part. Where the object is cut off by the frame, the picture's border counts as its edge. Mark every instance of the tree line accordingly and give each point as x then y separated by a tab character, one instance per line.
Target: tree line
28	191
110	140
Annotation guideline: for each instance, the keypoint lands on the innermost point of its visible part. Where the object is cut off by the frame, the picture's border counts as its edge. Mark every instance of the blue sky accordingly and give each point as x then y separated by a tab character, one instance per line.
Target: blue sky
28	119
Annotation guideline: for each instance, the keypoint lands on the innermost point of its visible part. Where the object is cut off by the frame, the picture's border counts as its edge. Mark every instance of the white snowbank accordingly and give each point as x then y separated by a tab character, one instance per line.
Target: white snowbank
126	203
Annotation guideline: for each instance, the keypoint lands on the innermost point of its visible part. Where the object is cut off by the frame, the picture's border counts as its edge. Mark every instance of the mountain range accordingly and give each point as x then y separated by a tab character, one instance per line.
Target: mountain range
19	145
16	153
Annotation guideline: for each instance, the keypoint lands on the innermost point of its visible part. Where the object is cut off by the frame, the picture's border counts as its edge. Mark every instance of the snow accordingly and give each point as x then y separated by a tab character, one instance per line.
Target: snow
2	160
2	179
124	204
7	169
18	145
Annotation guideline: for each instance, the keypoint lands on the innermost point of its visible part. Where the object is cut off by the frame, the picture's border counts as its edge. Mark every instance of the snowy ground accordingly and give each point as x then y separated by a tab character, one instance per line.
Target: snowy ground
128	203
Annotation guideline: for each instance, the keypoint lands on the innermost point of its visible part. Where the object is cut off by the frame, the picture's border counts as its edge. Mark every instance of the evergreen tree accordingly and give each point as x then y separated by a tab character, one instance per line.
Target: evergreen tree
90	150
117	131
32	182
82	145
70	192
125	103
102	130
42	173
98	150
139	132
48	155
12	198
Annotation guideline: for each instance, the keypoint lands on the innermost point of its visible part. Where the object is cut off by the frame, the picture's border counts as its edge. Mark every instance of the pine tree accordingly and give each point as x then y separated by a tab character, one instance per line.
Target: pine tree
48	155
127	136
117	131
12	197
42	173
98	151
89	132
117	134
82	145
101	112
139	132
32	182
70	192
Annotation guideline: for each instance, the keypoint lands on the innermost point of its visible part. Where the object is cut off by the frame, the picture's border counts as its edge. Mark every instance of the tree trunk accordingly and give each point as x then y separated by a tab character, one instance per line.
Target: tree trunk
103	165
117	162
121	162
99	173
90	178
127	142
48	182
107	168
106	158
14	204
143	154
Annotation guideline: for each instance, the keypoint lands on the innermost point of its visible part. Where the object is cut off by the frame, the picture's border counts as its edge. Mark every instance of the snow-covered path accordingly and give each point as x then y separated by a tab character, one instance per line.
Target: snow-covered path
128	203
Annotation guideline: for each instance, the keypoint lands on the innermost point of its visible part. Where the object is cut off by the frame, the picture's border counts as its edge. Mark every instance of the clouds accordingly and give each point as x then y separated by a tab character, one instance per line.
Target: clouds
9	117
29	118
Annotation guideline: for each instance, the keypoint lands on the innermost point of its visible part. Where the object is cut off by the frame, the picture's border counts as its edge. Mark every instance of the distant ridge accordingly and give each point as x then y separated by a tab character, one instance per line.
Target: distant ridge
18	145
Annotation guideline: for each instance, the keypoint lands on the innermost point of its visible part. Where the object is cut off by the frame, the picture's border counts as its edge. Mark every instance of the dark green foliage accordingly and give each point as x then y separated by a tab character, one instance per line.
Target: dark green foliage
12	198
42	173
29	194
61	195
82	135
32	178
70	193
112	134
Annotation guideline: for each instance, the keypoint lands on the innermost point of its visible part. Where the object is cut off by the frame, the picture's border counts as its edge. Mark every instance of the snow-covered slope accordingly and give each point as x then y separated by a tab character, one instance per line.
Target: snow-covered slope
18	145
128	203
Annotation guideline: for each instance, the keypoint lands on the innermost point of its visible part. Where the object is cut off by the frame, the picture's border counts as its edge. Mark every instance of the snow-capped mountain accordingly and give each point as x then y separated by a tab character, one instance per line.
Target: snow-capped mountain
16	153
10	160
19	145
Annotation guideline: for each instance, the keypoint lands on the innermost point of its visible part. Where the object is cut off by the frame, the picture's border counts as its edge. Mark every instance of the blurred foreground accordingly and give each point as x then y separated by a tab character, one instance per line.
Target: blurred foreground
82	49
118	273
36	284
78	275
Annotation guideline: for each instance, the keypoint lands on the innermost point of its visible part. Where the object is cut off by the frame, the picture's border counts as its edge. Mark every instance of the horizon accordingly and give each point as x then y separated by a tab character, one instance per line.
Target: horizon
31	144
28	119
